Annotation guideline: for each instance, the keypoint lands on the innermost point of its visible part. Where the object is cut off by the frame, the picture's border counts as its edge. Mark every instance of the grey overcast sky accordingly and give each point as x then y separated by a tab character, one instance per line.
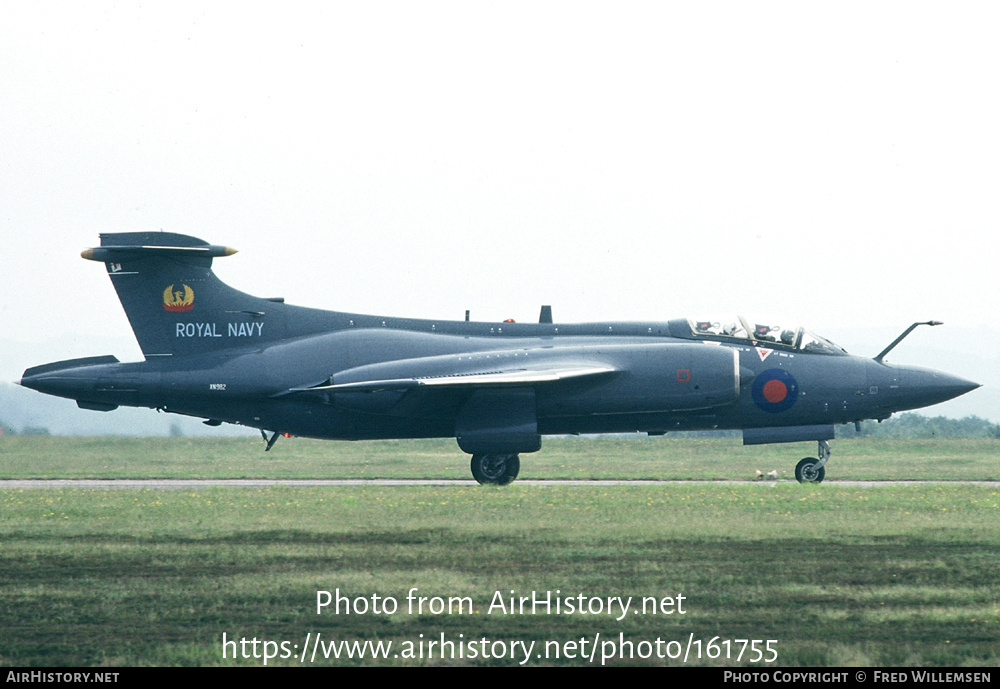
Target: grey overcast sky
835	163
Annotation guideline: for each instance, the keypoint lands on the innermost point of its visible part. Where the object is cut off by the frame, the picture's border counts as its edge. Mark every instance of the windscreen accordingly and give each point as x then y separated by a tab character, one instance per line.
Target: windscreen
767	332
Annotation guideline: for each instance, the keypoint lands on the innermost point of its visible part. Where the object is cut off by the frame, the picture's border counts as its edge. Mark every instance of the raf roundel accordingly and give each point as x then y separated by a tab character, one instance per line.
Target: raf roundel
775	390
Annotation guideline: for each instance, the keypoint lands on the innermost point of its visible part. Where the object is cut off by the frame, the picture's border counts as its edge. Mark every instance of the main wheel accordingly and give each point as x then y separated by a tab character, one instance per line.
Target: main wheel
495	469
809	471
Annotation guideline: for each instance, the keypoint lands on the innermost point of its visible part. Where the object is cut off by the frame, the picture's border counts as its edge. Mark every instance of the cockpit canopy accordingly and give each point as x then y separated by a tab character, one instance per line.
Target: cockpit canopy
775	334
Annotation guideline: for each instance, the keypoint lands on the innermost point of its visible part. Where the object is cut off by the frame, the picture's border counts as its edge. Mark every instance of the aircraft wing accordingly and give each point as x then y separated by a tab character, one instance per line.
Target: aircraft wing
500	377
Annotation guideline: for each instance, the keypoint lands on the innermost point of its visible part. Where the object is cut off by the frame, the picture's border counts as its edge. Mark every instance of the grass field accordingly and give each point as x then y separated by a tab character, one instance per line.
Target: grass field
833	574
578	458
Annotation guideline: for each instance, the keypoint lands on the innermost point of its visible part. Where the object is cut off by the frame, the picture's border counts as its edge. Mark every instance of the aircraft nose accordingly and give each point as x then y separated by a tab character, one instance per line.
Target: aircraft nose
936	386
922	387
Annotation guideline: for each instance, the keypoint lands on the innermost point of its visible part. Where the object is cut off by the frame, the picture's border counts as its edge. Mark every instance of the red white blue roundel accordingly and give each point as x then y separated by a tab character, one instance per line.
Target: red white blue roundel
774	390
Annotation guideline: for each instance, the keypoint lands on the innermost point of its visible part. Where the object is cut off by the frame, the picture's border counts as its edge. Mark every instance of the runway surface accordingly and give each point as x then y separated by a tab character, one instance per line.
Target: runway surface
178	484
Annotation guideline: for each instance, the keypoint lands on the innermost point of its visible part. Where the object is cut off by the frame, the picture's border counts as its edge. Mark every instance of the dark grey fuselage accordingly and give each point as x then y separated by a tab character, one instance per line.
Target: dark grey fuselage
217	353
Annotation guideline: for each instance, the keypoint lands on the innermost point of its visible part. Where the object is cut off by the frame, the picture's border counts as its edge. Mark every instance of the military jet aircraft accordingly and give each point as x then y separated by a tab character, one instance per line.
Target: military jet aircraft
220	354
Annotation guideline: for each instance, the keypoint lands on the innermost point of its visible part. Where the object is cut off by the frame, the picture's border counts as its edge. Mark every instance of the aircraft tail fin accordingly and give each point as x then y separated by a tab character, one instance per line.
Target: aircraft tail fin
173	300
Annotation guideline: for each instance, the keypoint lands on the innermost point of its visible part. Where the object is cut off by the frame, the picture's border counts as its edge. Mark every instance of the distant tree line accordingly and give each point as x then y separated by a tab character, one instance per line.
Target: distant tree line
903	426
27	430
920	426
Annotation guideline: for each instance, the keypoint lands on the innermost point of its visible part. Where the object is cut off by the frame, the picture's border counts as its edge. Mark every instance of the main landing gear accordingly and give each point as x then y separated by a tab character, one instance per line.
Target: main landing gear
497	470
810	470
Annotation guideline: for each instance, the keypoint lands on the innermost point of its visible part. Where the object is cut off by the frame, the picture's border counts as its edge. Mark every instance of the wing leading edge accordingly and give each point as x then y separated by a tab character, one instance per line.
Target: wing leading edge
521	376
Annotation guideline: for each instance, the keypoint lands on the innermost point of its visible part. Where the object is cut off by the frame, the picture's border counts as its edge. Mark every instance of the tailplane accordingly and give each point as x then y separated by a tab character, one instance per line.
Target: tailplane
173	300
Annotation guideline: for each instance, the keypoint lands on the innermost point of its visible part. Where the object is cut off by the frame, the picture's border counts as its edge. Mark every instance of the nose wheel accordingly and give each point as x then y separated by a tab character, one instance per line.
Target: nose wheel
810	469
498	470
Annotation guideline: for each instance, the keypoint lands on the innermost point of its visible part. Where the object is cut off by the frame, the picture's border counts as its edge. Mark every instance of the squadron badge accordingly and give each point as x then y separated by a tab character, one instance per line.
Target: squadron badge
178	301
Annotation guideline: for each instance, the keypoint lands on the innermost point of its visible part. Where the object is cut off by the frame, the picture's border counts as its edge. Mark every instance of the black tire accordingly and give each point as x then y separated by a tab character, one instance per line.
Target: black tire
498	470
806	471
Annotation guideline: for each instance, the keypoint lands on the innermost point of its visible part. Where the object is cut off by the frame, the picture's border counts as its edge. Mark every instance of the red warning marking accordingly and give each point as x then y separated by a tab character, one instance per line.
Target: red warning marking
775	391
683	375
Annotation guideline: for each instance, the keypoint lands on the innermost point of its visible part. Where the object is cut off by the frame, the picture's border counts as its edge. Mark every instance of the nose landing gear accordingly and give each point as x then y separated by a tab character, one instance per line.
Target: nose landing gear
809	469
